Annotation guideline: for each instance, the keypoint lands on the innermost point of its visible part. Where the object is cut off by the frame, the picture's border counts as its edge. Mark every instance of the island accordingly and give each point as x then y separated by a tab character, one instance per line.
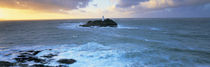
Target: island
101	23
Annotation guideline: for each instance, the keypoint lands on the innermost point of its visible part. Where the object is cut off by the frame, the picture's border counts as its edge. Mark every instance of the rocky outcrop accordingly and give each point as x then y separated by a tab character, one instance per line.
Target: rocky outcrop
66	61
100	23
29	56
6	64
40	61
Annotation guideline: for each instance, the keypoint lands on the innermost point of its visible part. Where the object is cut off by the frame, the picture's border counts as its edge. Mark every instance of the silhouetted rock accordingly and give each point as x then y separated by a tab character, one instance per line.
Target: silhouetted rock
49	55
24	59
66	61
6	64
40	65
100	23
29	56
40	61
62	66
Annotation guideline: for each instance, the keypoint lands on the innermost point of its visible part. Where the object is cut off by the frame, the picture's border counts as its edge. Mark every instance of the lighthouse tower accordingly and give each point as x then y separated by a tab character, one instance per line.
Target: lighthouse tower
102	18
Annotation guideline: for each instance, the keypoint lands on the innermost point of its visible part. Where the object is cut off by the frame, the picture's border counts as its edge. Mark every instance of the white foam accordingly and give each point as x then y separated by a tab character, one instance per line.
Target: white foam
76	26
126	27
153	28
94	54
70	25
91	54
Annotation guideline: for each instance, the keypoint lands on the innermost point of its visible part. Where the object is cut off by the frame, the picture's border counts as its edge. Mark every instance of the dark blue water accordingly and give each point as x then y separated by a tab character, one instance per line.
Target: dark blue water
183	42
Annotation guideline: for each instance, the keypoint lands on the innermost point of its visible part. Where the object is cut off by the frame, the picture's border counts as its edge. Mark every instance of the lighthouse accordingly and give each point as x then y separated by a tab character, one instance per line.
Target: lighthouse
102	18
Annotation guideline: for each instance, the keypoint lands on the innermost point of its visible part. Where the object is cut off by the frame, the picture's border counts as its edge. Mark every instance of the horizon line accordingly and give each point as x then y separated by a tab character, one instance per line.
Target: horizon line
100	18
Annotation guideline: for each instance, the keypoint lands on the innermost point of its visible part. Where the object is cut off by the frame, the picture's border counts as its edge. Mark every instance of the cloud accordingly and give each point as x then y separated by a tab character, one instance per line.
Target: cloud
172	3
189	11
129	3
45	5
113	8
158	4
164	8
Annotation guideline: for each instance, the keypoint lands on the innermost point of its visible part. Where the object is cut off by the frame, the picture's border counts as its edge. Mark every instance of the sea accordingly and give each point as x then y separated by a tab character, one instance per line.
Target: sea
136	42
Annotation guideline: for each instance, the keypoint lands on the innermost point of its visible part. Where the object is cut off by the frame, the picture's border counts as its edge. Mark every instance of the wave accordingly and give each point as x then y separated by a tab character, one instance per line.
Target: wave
154	28
126	27
93	54
70	25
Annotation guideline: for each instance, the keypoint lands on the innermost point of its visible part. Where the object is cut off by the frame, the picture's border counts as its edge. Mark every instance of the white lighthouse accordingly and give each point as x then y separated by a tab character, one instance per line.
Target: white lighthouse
102	18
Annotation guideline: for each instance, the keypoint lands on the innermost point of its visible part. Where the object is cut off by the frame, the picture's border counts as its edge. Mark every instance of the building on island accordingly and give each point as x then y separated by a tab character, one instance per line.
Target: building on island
102	18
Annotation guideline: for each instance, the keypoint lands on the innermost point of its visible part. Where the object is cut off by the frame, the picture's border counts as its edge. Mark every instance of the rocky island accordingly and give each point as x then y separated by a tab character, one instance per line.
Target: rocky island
101	23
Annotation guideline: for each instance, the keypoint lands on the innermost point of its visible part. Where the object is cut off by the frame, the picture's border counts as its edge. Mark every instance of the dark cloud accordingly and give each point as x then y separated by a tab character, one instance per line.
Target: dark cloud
190	2
166	8
188	11
157	4
129	3
47	5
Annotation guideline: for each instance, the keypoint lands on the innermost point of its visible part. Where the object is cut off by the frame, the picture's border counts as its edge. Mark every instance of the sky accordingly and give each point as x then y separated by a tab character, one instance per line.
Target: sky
77	9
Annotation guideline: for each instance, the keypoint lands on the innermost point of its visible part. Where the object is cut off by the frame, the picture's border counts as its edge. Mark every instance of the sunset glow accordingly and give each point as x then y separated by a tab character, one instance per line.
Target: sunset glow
18	14
71	9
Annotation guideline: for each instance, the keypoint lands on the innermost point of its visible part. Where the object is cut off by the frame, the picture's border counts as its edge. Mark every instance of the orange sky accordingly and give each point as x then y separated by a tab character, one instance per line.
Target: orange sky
23	14
77	9
33	11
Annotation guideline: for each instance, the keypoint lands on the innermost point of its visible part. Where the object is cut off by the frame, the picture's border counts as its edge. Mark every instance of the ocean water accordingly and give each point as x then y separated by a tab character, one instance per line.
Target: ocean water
178	42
